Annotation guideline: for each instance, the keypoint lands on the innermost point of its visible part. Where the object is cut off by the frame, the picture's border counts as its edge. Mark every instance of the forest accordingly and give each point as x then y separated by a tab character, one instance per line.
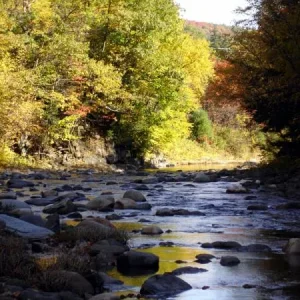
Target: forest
138	76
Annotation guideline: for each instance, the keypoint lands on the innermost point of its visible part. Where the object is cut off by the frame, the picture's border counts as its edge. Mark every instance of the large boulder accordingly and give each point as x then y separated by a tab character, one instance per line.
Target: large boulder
63	207
125	203
101	203
25	229
134	262
164	285
15	207
134	195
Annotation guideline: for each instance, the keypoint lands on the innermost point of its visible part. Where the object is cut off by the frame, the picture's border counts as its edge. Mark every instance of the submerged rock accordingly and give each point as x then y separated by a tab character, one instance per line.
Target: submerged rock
164	285
229	261
188	270
204	258
151	230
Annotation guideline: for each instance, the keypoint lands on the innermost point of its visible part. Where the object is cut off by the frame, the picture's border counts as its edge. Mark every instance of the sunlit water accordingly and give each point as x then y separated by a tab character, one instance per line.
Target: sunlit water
227	220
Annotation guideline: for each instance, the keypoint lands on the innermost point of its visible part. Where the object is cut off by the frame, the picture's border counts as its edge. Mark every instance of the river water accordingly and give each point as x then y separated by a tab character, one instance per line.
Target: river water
226	219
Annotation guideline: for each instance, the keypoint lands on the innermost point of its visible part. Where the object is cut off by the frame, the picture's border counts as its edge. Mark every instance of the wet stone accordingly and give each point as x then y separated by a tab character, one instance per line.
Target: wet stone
188	270
229	261
204	258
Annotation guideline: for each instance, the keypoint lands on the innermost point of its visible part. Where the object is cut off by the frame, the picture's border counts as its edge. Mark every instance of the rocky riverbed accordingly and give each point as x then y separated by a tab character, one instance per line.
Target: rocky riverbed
167	235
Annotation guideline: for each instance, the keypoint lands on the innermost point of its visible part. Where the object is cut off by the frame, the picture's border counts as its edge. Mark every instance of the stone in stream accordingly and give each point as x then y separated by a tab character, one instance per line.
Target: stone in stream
8	195
134	195
204	258
202	178
164	285
236	188
188	270
62	208
151	230
15	207
19	184
41	201
292	247
25	229
229	261
49	193
125	203
143	206
34	219
101	203
134	262
108	246
258	248
222	245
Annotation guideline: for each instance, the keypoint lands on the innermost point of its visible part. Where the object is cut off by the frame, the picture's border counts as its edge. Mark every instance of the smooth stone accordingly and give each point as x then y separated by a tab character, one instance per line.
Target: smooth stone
49	193
19	184
202	178
143	206
34	219
125	203
204	258
9	195
258	248
41	201
16	207
236	188
188	270
151	230
150	180
226	245
135	262
75	215
101	203
164	285
25	229
62	208
229	261
164	212
135	195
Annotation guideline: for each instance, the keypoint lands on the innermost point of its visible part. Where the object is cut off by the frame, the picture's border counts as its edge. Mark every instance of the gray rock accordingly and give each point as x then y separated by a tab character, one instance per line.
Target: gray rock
108	280
236	188
225	245
151	230
229	261
164	285
188	270
19	184
53	223
258	248
202	178
101	203
34	219
41	201
135	195
8	195
125	203
24	229
16	207
135	262
150	180
204	258
62	208
49	193
164	212
2	225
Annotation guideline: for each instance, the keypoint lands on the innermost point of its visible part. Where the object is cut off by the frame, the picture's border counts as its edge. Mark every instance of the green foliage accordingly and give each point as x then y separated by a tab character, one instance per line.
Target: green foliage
202	129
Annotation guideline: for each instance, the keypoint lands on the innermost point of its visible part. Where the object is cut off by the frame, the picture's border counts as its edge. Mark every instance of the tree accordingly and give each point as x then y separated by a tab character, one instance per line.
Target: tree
266	55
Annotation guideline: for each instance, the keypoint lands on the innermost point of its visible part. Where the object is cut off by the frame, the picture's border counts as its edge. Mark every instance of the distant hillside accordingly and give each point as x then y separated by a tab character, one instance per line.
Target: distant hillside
218	35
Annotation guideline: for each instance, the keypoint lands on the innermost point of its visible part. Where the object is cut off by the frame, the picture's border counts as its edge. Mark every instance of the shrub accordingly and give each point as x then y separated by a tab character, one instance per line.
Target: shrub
202	126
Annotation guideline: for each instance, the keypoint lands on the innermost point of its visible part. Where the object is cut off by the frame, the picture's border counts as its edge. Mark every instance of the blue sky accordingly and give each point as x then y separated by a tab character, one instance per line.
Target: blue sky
212	11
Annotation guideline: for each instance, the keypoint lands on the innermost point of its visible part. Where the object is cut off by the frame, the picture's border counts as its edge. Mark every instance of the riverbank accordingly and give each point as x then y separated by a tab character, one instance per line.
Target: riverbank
187	219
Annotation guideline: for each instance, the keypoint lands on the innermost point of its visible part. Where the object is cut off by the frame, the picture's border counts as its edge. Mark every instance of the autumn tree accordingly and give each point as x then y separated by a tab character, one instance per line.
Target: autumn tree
266	55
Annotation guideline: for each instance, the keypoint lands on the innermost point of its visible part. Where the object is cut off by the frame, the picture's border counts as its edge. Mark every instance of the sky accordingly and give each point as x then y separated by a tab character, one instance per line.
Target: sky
211	11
